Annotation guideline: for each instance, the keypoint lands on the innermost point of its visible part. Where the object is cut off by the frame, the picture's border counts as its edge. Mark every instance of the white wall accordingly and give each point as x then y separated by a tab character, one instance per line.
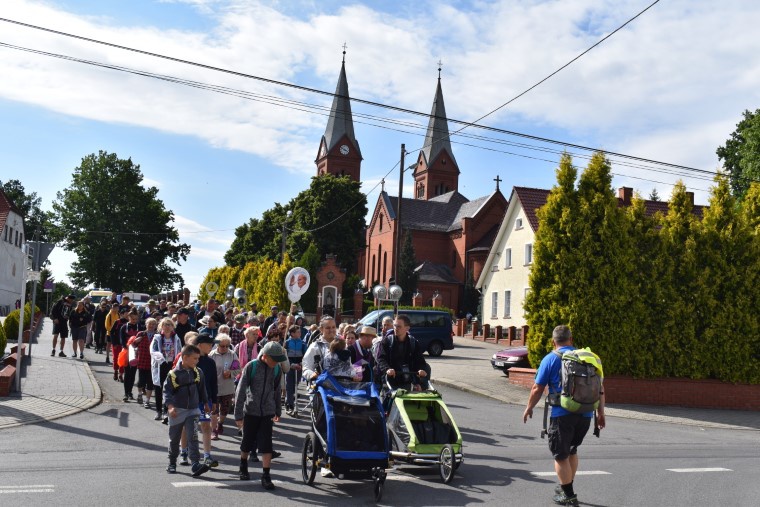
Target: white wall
11	263
514	278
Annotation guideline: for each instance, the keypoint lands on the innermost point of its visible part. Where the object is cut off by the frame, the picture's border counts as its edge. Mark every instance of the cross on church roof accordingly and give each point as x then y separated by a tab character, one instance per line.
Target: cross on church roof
344	51
440	64
497	180
382	185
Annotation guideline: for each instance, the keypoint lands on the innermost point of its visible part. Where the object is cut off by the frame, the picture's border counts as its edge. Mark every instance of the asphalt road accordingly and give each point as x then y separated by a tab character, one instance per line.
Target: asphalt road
116	454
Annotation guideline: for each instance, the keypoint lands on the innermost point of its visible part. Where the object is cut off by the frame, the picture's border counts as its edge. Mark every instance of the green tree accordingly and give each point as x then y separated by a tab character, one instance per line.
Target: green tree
120	231
38	224
741	153
554	262
311	262
407	277
653	195
259	238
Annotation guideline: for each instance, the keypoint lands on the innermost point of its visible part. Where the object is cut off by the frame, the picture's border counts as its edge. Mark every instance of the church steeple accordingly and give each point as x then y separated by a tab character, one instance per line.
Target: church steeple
339	152
437	171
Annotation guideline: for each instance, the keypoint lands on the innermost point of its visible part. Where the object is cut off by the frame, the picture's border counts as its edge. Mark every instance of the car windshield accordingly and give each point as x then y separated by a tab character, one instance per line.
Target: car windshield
370	318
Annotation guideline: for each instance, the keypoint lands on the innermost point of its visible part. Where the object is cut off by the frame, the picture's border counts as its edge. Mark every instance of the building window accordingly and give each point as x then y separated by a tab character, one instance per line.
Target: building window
5	231
21	239
529	253
507	304
381	222
518	223
372	279
508	258
494	304
16	241
385	261
420	191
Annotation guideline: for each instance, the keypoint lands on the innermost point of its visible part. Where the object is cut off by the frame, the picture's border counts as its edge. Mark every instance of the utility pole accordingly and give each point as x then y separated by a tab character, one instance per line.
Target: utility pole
285	234
397	249
20	342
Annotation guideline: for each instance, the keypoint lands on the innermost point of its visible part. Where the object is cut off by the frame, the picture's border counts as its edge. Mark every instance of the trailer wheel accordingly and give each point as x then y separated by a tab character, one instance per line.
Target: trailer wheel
309	457
446	465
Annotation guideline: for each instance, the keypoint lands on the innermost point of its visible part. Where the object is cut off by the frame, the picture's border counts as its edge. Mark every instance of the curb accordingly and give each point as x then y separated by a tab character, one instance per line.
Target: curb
609	411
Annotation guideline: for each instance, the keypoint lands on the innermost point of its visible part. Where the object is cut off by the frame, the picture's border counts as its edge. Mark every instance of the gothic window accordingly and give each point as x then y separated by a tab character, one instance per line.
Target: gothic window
381	222
372	279
385	262
420	191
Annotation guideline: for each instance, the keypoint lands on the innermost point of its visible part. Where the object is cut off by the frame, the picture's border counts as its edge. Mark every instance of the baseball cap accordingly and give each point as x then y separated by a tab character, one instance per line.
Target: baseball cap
239	318
183	311
204	338
275	351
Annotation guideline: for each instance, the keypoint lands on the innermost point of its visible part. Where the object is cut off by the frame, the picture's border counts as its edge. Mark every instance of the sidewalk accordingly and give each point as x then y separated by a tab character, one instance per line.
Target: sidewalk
468	368
52	387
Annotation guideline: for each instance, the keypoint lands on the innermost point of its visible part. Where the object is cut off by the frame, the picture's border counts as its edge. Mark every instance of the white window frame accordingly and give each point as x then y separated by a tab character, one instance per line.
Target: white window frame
494	304
528	254
508	258
507	304
518	224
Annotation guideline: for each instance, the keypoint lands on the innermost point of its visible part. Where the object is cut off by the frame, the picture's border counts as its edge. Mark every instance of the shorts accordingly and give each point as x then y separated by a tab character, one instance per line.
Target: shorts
61	329
257	433
79	333
145	380
205	416
224	404
566	433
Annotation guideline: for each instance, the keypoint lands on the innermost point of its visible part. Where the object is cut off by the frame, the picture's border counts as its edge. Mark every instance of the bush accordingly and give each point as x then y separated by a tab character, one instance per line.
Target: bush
3	340
10	325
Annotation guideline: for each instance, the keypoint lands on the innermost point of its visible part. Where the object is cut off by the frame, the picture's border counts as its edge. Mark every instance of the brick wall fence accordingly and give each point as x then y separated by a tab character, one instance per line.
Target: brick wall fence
666	391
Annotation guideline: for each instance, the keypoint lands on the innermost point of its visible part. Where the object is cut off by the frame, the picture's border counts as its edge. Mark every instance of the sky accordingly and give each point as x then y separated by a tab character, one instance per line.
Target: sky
669	87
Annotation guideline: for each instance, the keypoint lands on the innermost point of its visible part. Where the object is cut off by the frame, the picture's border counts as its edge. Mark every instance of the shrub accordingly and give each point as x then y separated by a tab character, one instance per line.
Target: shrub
10	325
3	340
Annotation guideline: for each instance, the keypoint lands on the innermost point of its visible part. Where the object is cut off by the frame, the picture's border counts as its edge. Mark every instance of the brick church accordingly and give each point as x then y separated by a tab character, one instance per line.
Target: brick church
451	234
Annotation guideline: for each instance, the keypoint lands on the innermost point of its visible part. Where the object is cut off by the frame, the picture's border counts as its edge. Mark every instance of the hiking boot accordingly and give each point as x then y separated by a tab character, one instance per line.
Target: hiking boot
243	474
172	468
139	398
199	469
61	354
183	459
563	499
52	354
266	481
210	462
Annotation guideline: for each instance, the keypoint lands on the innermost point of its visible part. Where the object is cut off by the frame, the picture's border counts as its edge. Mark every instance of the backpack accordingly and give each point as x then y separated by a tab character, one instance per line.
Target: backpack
581	381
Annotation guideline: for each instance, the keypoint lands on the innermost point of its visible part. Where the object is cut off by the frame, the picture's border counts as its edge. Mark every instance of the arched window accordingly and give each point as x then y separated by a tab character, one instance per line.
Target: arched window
372	278
420	190
385	265
381	222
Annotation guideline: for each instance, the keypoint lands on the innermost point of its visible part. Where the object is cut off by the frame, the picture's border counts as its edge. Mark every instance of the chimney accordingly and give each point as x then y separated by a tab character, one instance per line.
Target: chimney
625	194
690	195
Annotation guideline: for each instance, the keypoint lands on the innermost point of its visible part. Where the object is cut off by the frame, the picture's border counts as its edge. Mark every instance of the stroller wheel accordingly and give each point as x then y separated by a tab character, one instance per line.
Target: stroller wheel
446	465
379	487
309	457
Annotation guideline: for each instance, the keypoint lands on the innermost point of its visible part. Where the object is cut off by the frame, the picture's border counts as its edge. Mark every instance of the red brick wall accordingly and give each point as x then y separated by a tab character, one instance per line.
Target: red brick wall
666	391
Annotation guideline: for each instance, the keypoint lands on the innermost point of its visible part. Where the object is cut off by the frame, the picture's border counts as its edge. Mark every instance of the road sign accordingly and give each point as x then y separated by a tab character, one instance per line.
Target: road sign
33	276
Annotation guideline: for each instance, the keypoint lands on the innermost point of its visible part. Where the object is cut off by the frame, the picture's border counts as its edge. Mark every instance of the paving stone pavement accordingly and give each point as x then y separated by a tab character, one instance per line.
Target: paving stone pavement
52	387
468	368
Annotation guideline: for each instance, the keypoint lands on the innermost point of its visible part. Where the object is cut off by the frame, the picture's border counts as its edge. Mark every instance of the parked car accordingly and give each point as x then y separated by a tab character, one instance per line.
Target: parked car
431	328
516	357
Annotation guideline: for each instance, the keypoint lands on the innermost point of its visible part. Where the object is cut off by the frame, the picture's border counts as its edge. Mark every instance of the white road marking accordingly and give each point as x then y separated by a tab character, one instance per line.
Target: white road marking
210	484
579	472
688	470
26	491
32	486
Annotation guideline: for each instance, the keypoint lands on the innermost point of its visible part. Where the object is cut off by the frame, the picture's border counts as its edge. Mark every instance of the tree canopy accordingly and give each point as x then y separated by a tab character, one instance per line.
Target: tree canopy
120	230
741	154
337	201
38	224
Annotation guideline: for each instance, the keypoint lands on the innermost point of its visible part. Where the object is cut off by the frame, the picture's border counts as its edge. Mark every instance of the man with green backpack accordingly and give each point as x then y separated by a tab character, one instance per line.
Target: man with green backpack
574	377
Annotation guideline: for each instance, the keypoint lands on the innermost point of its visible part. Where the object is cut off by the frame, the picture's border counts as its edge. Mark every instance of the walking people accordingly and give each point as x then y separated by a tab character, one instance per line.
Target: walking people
78	321
237	329
205	342
295	348
99	326
398	351
144	374
164	347
227	369
258	407
113	316
566	429
361	353
184	394
127	333
91	310
183	325
315	354
60	313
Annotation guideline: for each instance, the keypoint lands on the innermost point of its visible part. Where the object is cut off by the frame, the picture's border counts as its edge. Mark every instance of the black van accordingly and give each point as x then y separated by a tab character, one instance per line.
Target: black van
431	328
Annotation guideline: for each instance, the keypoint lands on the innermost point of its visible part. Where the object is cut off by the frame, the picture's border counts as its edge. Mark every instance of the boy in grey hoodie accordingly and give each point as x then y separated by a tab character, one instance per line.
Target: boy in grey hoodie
258	407
184	390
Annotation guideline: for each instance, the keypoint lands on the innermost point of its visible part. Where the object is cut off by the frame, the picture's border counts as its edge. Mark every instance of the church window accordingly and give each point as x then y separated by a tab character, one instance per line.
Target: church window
381	222
420	191
372	278
385	266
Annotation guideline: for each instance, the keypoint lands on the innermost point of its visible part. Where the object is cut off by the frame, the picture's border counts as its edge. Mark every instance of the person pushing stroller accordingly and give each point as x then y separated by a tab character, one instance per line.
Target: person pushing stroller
399	353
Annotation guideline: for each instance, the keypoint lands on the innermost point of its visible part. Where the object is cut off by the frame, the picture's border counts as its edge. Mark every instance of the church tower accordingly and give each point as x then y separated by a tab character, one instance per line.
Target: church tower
339	152
437	171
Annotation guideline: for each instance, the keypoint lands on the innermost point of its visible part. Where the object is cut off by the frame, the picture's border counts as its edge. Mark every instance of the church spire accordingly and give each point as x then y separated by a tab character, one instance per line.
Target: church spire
437	137
341	121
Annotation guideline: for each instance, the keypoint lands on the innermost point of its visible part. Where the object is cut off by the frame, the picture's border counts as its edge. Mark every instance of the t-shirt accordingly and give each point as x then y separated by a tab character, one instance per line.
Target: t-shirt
549	374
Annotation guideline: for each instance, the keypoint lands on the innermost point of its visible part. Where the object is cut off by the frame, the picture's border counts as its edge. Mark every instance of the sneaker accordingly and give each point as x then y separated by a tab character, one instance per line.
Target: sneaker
326	473
183	459
81	355
199	469
214	435
146	404
61	354
210	462
158	417
87	347
116	376
266	481
166	420
563	499
243	474
121	377
139	398
172	468
52	354
108	361
125	399
276	454
131	397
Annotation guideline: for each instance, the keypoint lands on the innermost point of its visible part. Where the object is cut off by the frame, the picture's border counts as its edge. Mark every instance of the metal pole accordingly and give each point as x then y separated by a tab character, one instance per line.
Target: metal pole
19	356
397	249
33	305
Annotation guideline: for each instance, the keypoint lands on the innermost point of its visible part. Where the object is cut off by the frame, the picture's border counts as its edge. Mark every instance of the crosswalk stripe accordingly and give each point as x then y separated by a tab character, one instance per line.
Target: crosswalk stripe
214	484
47	490
30	486
579	472
696	470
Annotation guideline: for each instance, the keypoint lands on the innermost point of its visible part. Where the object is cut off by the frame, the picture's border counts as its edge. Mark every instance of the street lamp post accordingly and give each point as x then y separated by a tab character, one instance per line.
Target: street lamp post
392	293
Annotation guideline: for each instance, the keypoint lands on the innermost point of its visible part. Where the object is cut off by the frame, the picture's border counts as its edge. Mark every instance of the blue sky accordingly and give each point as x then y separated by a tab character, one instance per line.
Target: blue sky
671	86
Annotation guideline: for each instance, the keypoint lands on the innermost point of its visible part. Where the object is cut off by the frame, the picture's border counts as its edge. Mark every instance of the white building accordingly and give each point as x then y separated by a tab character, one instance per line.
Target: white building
504	279
11	256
